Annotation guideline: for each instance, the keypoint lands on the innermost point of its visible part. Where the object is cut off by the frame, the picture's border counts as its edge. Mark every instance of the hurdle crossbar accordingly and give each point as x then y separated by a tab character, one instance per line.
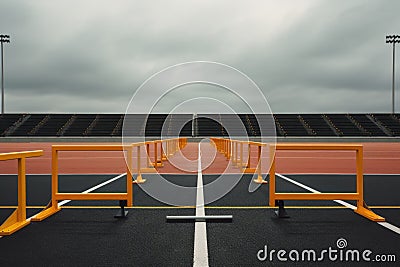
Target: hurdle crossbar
362	209
17	219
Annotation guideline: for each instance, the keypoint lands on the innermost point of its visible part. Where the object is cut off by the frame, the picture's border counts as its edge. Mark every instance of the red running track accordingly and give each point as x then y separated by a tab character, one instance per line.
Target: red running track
379	158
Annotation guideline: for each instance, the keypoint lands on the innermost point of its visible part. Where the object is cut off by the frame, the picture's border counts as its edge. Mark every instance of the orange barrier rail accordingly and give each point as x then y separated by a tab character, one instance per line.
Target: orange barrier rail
56	196
17	219
234	150
358	196
171	146
167	148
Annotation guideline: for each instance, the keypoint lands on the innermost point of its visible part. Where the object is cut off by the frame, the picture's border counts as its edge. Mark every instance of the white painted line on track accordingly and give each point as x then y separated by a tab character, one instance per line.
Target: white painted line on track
94	188
88	190
341	202
200	255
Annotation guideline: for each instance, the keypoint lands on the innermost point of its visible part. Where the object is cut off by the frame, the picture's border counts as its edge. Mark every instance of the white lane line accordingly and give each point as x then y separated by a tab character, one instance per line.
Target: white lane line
341	202
88	190
200	255
390	227
94	188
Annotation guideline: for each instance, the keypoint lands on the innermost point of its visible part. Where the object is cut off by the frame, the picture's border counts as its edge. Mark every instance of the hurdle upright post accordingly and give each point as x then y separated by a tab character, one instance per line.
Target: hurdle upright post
248	155
139	179
360	173
163	151
259	179
149	164
17	219
129	180
54	179
22	189
241	156
272	182
362	207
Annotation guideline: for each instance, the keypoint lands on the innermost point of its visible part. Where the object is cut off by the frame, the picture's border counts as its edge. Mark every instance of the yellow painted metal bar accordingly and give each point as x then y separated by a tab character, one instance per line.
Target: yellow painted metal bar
316	196
129	178
272	182
259	179
17	219
23	154
54	176
360	177
21	189
90	147
315	146
92	196
139	178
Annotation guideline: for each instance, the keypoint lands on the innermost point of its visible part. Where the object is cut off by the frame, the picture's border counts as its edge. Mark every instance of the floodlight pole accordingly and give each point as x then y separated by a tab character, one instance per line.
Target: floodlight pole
3	39
393	39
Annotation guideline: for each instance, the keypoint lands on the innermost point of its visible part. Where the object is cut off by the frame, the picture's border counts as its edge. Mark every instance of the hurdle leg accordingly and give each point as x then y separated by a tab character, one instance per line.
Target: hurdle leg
122	212
17	219
272	184
362	208
52	207
259	179
149	163
139	178
281	212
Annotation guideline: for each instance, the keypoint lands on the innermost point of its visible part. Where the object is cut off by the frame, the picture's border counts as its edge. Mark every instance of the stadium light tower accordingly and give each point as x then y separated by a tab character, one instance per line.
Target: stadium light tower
3	39
393	39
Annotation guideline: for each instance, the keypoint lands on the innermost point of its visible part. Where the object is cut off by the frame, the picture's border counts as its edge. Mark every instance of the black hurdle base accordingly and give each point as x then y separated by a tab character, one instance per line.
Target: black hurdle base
281	212
122	212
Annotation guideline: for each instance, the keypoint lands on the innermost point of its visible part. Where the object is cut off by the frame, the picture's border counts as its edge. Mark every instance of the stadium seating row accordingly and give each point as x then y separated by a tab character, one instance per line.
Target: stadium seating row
384	125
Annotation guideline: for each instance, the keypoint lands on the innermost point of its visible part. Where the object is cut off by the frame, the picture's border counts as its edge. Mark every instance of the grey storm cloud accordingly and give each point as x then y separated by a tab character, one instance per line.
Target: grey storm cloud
306	56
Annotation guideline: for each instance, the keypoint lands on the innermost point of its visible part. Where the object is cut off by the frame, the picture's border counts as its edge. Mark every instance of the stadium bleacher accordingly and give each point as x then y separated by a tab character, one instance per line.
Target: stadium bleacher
209	126
52	125
80	125
290	125
343	125
389	121
154	124
179	124
368	126
318	125
8	120
28	125
104	125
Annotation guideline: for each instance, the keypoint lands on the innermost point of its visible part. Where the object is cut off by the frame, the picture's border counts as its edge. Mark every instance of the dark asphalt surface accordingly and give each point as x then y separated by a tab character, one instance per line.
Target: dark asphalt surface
93	237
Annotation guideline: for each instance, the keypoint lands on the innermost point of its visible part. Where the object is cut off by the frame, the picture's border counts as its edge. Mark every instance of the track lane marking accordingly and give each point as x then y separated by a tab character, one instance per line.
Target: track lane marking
341	202
88	191
94	188
200	254
206	207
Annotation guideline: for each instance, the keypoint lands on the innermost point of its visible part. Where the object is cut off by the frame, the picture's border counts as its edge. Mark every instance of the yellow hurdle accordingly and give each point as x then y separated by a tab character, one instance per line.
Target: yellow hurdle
52	208
56	196
362	209
17	219
233	150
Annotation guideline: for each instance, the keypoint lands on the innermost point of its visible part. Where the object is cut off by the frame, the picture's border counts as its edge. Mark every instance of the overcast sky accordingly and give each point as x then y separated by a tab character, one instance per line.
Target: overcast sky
306	56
